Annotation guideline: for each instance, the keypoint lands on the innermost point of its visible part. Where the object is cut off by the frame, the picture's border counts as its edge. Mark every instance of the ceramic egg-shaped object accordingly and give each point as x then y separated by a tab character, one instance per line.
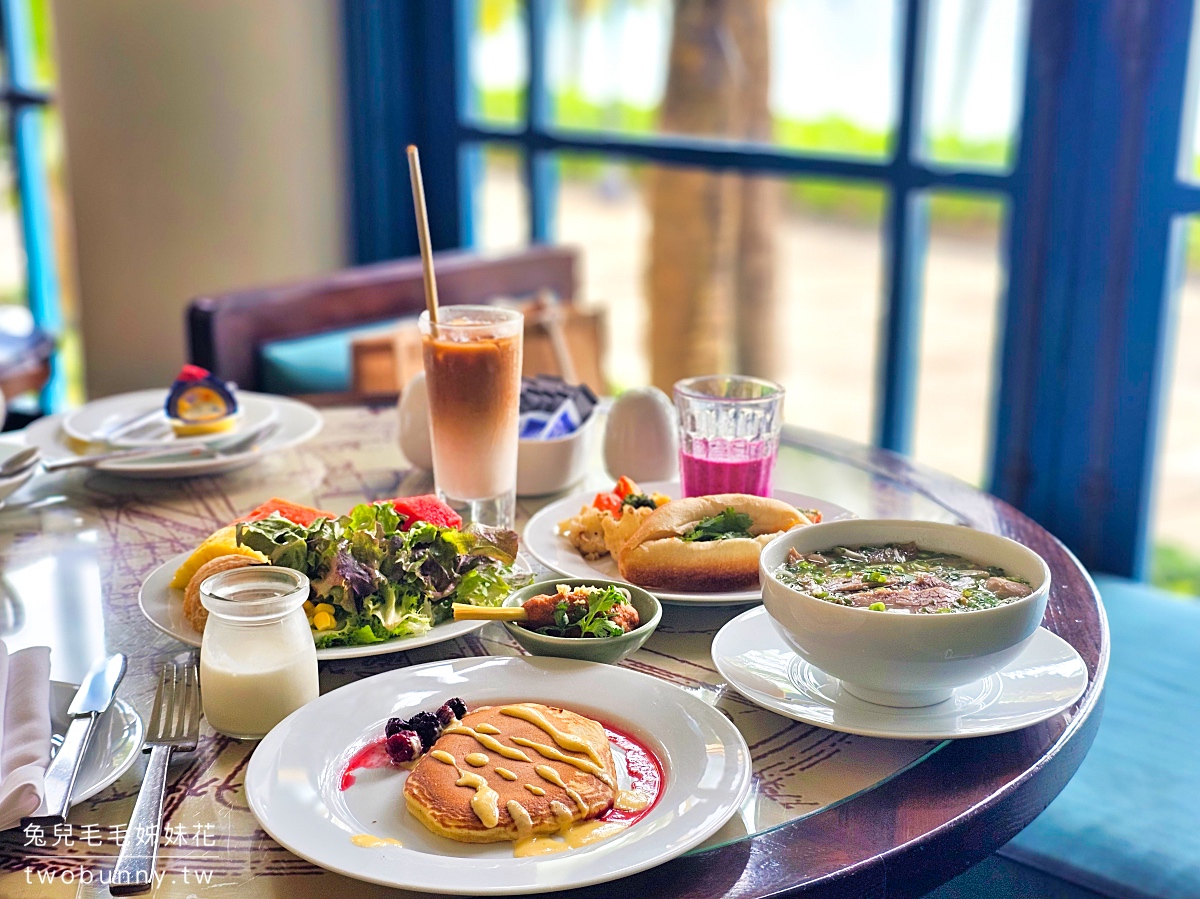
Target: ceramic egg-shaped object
641	438
413	410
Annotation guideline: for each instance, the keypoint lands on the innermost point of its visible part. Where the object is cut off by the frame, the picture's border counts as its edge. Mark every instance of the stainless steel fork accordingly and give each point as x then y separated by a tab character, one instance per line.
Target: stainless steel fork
175	725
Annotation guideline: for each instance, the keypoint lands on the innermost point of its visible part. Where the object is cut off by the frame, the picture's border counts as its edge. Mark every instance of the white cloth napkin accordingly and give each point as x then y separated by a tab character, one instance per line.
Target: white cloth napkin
24	731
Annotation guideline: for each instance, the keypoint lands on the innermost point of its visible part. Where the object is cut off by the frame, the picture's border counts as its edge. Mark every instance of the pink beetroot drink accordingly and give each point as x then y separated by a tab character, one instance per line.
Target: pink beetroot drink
729	429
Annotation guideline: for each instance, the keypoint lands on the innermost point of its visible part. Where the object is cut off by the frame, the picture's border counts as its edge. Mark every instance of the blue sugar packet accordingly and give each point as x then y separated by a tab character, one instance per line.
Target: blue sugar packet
565	420
531	425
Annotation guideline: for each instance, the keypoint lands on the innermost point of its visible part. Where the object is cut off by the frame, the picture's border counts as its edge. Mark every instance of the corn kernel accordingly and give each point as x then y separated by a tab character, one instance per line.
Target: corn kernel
323	607
309	608
660	498
323	621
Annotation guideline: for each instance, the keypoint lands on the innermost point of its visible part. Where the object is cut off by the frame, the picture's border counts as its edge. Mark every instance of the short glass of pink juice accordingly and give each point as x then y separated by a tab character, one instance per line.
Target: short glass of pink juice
728	434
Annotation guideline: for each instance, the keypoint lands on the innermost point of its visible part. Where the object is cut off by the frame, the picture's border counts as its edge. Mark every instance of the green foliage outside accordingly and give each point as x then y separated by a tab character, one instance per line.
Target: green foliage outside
1176	569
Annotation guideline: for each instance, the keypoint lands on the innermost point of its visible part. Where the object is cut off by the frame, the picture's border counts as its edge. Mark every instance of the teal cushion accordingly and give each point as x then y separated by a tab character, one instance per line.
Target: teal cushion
1128	823
318	363
1001	878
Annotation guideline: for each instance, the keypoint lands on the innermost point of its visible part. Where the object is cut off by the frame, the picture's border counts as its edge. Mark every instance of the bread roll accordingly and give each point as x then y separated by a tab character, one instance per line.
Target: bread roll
193	609
655	556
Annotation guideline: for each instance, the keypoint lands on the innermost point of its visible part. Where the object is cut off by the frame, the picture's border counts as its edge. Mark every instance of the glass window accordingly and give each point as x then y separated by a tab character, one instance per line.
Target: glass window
964	280
1175	544
814	246
974	72
804	74
498	71
499	199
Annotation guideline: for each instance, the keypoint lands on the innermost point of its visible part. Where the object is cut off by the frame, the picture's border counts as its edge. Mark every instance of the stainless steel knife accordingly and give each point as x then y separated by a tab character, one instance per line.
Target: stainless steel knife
91	700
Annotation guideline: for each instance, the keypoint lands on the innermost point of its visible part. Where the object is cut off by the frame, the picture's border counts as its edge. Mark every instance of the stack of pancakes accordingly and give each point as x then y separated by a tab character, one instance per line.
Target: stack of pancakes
436	798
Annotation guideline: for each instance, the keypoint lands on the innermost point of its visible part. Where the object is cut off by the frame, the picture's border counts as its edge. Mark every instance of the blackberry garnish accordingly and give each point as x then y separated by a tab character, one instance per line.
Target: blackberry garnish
427	727
403	746
458	707
445	715
394	726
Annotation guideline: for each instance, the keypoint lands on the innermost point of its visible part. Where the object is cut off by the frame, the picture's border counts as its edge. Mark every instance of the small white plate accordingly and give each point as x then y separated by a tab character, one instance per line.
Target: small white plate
1045	679
298	422
114	745
554	551
84	423
162	605
292	782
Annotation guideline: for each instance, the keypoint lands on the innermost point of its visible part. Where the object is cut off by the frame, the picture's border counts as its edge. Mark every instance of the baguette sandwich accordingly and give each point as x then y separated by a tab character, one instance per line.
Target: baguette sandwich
708	543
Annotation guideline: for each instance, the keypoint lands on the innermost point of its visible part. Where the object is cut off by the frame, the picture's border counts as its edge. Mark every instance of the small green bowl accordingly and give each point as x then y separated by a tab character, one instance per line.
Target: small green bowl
608	650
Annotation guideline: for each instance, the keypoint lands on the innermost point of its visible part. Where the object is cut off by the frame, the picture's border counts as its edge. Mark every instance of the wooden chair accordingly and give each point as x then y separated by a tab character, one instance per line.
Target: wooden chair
227	332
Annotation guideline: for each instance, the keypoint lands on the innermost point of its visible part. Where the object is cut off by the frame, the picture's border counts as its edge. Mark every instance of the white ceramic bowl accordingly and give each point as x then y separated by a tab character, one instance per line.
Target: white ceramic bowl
896	659
551	466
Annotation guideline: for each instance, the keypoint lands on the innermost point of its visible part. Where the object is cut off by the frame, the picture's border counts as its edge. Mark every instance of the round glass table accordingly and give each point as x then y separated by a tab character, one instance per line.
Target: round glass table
830	814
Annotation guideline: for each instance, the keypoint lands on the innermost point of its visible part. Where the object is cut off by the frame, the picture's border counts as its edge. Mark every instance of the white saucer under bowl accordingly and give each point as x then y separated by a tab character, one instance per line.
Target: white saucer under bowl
1044	680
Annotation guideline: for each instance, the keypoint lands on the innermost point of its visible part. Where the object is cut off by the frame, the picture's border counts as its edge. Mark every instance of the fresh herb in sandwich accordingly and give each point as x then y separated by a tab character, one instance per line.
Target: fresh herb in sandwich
722	526
592	623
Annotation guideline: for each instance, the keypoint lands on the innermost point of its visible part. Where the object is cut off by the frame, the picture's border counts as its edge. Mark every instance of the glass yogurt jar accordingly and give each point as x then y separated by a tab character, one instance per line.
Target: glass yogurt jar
258	662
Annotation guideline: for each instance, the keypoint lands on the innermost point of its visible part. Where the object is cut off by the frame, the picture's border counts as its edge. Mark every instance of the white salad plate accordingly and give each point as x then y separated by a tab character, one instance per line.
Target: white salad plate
292	782
297	423
162	605
114	745
1044	680
554	551
91	420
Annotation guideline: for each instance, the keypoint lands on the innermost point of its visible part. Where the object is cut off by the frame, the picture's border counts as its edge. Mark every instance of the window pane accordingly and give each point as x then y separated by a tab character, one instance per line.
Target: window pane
12	250
814	246
964	280
1175	546
974	73
499	198
497	62
805	74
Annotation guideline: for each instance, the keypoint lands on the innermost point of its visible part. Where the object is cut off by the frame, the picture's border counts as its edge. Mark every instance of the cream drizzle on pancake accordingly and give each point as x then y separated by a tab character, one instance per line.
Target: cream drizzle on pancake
545	772
505	773
536	791
486	728
475	759
488	742
558	756
443	756
571	834
486	801
521	818
564	740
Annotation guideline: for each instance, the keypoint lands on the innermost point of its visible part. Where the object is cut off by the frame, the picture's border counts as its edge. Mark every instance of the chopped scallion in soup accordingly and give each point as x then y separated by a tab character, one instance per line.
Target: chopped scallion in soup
899	577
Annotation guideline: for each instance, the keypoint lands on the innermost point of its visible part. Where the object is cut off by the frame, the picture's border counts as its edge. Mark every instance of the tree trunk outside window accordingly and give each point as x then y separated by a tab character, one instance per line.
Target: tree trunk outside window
711	274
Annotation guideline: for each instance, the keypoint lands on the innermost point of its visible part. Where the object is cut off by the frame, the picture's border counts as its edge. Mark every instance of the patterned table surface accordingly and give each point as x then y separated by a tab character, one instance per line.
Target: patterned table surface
71	567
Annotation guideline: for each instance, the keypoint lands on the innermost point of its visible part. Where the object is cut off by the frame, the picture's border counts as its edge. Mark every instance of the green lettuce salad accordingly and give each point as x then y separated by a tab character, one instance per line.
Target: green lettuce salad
385	582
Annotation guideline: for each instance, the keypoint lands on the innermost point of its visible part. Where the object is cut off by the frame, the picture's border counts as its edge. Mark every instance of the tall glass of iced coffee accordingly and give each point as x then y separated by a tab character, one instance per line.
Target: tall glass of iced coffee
473	375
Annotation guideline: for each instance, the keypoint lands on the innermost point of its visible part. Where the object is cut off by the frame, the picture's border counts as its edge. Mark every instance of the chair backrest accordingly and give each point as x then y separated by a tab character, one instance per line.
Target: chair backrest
226	331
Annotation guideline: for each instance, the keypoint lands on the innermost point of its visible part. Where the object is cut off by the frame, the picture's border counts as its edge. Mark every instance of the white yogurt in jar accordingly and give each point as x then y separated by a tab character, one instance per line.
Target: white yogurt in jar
258	662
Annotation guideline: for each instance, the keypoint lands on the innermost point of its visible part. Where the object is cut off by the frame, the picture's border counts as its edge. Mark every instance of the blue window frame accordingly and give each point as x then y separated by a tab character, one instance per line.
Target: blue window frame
1093	200
26	103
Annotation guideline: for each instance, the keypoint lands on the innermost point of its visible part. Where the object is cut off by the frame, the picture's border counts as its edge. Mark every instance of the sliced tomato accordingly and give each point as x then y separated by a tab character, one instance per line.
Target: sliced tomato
626	486
610	502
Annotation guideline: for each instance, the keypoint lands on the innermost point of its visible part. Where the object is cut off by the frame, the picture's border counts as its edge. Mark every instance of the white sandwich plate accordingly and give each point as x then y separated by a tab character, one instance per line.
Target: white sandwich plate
554	551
